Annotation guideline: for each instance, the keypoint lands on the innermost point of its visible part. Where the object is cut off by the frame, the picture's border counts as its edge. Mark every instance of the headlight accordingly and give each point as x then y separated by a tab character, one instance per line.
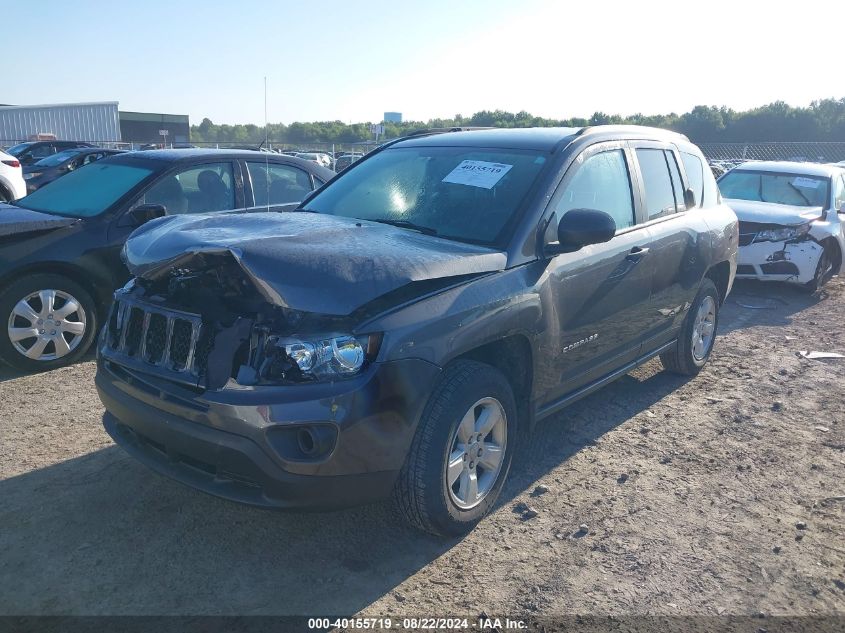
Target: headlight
31	175
336	356
782	234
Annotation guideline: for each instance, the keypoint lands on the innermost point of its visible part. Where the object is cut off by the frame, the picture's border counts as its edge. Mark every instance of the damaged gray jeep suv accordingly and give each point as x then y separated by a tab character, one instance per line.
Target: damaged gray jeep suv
395	333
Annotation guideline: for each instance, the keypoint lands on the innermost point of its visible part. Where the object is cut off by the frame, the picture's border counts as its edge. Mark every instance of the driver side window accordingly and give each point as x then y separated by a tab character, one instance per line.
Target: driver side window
602	182
196	189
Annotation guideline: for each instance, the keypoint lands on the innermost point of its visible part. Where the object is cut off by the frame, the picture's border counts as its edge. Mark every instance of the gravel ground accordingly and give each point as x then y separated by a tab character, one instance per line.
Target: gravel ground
658	495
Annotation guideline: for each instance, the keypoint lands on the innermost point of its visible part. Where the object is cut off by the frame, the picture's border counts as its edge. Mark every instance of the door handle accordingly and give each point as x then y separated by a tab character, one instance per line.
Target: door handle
637	253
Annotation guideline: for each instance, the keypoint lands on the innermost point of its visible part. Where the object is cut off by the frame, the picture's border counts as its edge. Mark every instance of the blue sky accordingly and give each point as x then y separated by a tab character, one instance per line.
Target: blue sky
352	61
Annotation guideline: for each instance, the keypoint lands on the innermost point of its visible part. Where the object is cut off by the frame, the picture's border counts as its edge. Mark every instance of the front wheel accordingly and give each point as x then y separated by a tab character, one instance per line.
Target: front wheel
698	333
50	322
824	269
461	453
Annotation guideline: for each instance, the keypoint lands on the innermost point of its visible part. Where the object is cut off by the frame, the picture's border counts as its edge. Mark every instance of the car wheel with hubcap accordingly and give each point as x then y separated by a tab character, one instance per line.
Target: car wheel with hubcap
461	452
50	322
824	269
697	334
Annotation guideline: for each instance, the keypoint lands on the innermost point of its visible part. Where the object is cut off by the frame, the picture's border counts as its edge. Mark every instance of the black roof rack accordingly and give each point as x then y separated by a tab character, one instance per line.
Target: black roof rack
445	130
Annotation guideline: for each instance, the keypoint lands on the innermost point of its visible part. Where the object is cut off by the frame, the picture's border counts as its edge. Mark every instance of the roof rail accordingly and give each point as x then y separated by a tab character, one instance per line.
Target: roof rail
445	130
621	127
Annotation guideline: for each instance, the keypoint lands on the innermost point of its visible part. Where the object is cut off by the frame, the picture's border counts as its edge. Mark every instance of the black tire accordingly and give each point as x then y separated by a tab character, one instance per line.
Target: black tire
421	494
22	288
680	359
825	267
5	196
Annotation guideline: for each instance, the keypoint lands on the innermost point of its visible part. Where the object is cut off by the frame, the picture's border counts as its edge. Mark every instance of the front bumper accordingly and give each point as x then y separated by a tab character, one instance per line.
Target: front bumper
226	442
794	261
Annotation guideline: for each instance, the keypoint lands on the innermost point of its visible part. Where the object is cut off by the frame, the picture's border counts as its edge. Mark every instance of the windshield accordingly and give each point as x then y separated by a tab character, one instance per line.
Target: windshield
84	193
16	150
57	159
777	188
467	194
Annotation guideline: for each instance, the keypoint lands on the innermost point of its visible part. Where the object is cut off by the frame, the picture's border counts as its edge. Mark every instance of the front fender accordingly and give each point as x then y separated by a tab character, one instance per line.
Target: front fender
442	327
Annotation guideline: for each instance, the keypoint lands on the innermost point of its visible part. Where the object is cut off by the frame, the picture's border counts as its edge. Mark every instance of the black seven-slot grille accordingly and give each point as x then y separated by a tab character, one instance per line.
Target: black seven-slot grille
144	335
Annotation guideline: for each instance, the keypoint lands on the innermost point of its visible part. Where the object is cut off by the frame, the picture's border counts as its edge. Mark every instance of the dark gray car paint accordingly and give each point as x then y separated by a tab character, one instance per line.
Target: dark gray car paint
581	318
552	302
622	305
306	261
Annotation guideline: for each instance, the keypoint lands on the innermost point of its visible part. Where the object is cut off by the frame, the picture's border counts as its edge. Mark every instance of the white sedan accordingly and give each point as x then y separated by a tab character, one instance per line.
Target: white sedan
791	219
12	184
316	157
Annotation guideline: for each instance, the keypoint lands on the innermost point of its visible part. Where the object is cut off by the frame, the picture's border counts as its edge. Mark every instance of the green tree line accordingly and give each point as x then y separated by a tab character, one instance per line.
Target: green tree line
822	120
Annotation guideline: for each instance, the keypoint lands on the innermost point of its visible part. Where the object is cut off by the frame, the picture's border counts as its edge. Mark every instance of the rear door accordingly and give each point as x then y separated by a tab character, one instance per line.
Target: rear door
679	239
601	292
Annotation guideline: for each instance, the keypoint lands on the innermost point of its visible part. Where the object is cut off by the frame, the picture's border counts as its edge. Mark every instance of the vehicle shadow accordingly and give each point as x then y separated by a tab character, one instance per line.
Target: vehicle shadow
768	303
101	534
7	373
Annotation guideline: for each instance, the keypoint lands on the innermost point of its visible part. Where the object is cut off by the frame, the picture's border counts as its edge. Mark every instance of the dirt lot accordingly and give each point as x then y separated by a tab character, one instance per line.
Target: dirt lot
718	495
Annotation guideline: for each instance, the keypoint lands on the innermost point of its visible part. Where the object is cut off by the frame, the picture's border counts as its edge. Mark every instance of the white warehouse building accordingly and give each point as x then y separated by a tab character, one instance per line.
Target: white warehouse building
96	122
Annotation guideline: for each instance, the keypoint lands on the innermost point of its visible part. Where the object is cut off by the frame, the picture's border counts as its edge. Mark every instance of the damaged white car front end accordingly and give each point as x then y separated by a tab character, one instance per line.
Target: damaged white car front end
772	252
791	219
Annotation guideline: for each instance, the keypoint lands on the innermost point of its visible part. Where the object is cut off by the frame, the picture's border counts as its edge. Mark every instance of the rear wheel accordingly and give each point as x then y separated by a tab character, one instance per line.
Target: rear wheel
50	322
5	196
698	333
461	453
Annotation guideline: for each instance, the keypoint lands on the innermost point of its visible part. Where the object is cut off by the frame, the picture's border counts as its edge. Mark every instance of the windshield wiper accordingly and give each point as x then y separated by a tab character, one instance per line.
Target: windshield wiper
801	193
405	224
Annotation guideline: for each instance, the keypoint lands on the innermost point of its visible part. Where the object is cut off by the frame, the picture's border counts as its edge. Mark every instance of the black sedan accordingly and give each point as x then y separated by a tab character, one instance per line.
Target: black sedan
60	246
48	169
33	151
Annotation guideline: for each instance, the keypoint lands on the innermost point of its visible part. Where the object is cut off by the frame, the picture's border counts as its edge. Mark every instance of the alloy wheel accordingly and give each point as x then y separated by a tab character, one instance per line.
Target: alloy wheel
704	328
476	453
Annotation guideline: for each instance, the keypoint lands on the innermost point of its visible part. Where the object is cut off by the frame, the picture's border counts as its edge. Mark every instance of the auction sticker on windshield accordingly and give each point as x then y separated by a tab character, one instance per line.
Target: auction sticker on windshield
477	173
807	183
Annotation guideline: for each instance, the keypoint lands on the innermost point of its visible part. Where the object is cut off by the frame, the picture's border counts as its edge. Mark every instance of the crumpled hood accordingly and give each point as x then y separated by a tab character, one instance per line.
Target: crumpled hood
15	220
307	261
770	213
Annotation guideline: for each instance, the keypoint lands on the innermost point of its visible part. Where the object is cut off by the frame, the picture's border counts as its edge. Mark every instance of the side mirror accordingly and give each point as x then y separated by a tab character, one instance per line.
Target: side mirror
146	212
689	199
581	227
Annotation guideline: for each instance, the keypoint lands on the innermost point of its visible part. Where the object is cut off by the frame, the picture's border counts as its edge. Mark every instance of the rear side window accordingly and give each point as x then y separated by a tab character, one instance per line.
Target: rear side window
278	184
659	193
601	183
695	175
42	151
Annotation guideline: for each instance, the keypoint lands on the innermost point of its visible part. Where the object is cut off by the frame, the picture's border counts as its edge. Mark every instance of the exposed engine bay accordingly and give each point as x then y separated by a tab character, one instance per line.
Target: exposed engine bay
232	331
